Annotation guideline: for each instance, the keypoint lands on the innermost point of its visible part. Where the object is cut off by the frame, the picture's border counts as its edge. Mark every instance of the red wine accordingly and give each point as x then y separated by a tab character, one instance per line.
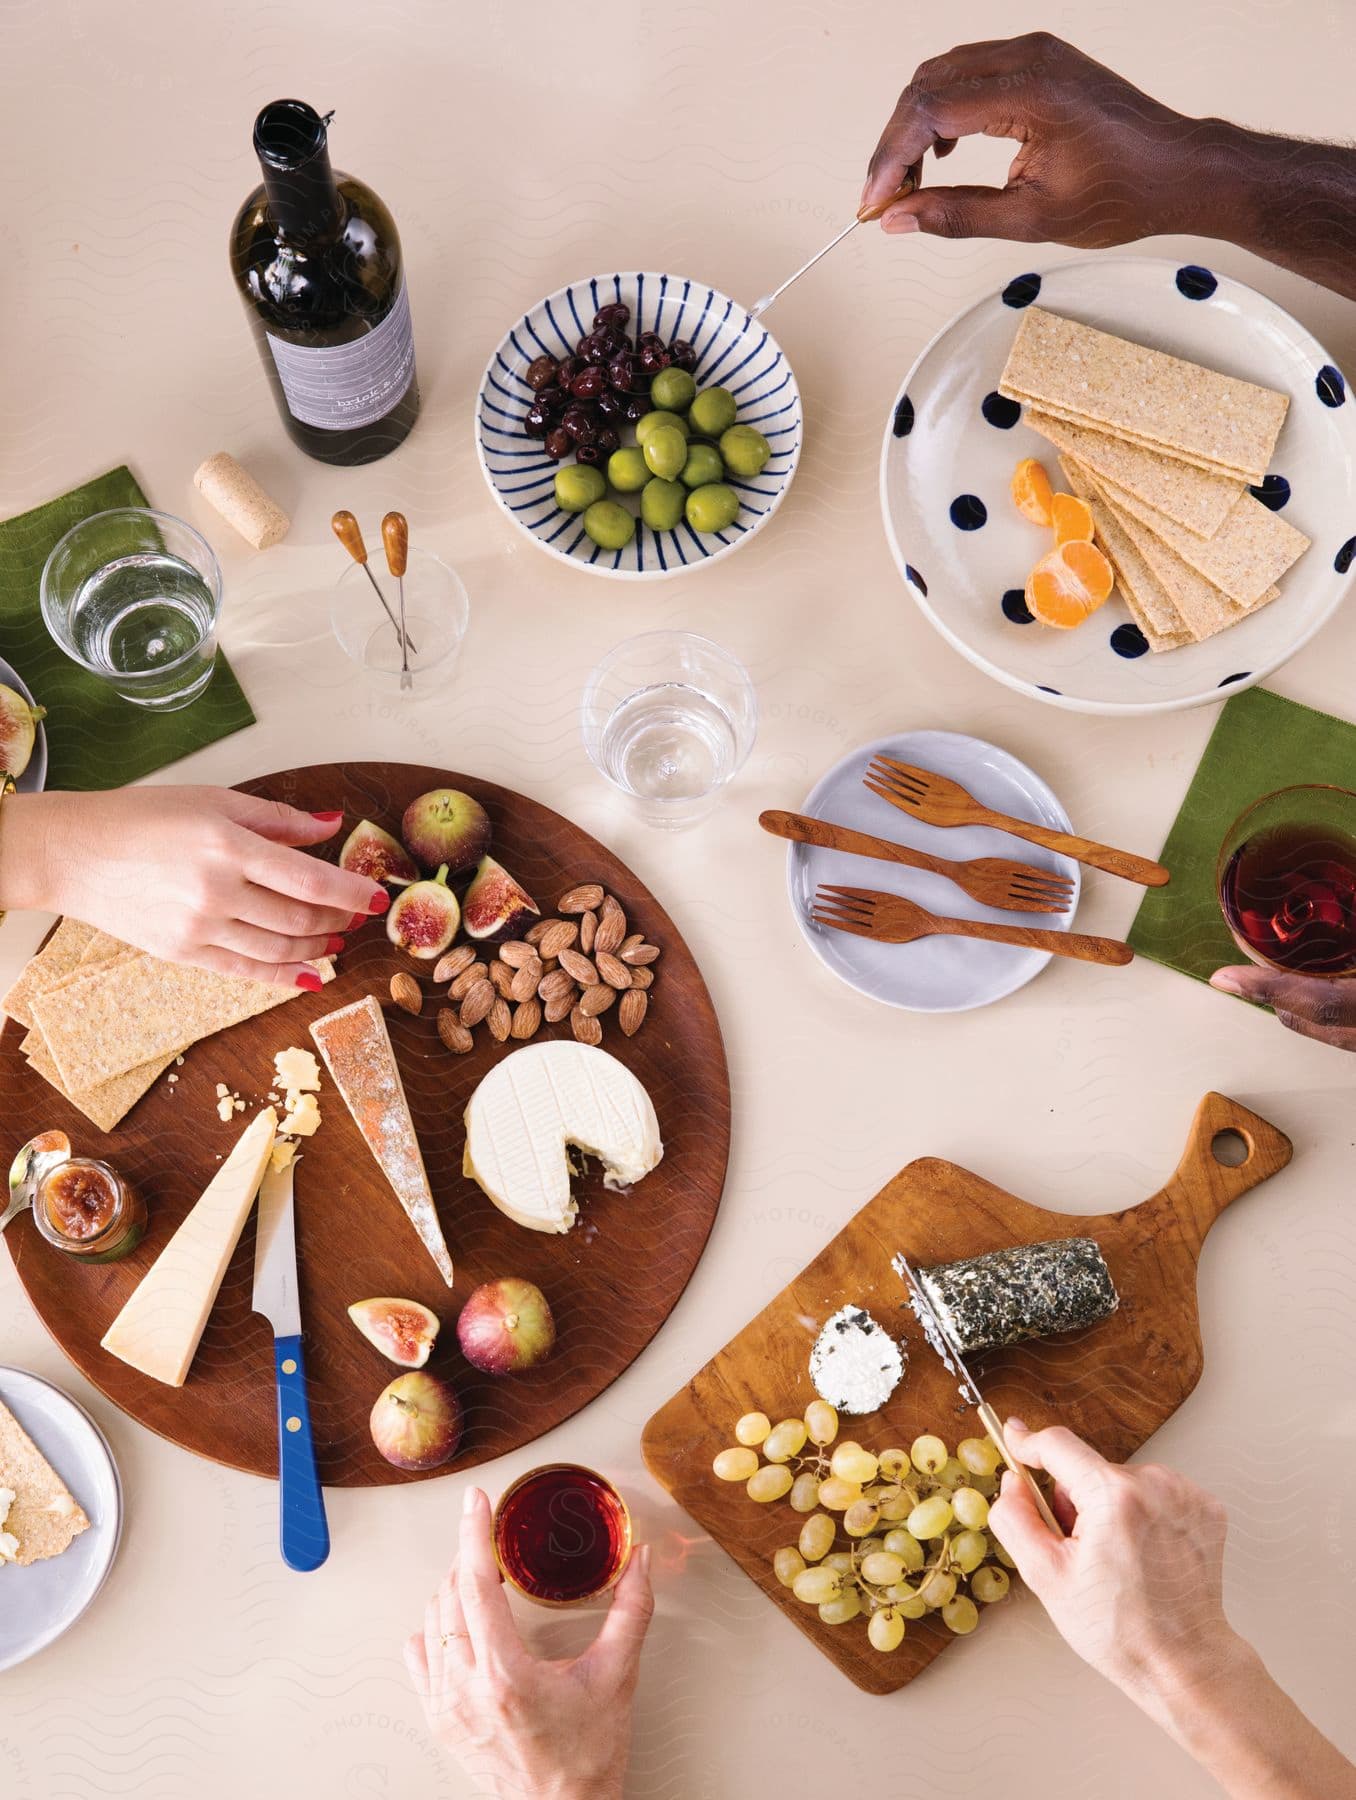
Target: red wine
316	257
562	1534
1290	894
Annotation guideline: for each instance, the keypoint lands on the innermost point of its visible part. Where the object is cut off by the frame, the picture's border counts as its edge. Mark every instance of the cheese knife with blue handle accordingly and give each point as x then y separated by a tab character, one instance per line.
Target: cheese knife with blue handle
303	1531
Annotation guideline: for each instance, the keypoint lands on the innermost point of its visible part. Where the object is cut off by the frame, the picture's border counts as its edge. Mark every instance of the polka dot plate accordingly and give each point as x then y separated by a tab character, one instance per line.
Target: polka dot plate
733	351
952	442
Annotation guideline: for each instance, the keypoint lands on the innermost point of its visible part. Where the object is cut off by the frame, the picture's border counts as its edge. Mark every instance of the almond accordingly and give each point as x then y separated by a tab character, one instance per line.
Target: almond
447	968
526	1018
588	927
539	930
406	992
555	986
587	1030
500	1021
610	904
642	978
516	952
502	977
469	976
476	1002
579	967
560	1006
614	973
453	1033
596	1000
639	954
636	937
611	930
631	1012
558	936
582	899
526	979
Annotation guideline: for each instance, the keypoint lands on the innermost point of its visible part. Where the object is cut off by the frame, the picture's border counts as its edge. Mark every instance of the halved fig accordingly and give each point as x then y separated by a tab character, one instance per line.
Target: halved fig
370	851
403	1330
495	906
423	918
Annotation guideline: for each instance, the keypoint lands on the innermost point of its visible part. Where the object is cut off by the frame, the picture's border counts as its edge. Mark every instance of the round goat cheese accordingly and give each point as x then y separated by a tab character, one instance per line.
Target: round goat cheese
855	1365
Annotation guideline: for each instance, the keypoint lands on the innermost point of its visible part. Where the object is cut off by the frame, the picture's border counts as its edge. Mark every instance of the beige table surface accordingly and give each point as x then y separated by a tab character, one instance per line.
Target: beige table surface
520	147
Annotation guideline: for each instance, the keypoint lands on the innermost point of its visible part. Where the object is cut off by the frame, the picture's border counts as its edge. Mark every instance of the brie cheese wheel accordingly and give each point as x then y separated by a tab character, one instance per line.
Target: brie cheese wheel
537	1105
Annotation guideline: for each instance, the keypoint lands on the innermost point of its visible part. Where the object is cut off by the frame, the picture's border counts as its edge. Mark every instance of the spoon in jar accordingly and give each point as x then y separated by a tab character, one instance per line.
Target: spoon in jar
864	217
395	535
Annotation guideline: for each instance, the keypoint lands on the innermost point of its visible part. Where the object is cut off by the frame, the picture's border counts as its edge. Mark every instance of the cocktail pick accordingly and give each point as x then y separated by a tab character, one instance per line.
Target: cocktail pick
395	535
864	217
349	533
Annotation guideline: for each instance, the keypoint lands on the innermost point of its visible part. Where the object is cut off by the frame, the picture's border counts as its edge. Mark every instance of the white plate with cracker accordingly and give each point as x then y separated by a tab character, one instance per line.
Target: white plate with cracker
1215	588
59	1458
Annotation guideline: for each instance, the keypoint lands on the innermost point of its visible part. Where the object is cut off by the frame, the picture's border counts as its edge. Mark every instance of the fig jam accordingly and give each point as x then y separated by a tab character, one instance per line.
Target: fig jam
86	1209
562	1534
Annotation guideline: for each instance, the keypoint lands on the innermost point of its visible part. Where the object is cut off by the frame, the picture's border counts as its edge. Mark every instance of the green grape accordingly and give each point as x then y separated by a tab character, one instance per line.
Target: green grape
930	1518
951	1475
968	1550
1002	1555
906	1546
896	1507
979	1455
735	1465
860	1518
816	1536
787	1563
841	1560
882	1568
838	1495
894	1464
805	1491
937	1588
928	1454
970	1508
784	1441
985	1484
752	1428
841	1608
821	1422
990	1584
815	1586
907	1599
851	1463
960	1615
768	1483
868	1546
886	1629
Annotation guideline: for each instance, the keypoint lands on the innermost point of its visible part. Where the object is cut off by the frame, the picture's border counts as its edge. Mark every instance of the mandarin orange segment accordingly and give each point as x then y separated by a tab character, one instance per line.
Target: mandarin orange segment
1068	584
1071	518
1031	492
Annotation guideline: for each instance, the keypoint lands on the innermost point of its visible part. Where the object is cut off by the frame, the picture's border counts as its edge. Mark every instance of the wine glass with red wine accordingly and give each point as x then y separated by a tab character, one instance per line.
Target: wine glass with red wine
562	1534
1287	881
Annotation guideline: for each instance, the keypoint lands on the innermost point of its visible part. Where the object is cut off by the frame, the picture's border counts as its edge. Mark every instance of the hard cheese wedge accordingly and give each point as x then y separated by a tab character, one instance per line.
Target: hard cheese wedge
533	1107
357	1051
159	1328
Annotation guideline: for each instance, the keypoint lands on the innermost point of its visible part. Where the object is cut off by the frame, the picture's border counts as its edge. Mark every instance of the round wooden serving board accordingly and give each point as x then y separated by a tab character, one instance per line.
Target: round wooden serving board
611	1281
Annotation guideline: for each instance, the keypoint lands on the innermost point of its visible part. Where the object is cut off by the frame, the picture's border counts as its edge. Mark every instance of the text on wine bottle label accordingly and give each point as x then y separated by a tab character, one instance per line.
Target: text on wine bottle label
336	387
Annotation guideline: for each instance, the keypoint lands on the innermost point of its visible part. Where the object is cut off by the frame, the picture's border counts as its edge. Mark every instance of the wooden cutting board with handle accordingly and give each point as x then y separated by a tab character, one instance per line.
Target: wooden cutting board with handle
1114	1383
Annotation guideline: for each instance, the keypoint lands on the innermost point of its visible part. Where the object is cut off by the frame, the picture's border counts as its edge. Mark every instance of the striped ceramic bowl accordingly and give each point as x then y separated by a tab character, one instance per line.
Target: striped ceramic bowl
733	351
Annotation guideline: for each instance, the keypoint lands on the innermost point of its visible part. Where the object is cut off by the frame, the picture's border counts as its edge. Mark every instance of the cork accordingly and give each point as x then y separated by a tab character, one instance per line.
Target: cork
237	496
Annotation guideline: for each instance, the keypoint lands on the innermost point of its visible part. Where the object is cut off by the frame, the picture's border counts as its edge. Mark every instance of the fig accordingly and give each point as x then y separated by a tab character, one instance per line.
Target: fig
370	851
506	1326
417	1421
403	1330
424	917
18	728
495	906
444	826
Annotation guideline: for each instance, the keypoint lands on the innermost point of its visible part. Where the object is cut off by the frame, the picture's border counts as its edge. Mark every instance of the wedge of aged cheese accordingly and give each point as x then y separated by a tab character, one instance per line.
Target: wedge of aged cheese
357	1050
159	1328
533	1107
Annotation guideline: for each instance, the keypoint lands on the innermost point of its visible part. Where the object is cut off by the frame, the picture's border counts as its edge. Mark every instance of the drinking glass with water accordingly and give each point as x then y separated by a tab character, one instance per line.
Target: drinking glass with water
669	717
134	596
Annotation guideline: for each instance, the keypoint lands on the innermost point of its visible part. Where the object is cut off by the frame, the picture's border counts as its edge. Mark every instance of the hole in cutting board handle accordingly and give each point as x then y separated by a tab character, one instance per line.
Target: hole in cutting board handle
1230	1148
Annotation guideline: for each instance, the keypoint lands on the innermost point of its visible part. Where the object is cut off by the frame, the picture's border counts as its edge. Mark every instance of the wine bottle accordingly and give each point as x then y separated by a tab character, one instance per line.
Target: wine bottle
316	257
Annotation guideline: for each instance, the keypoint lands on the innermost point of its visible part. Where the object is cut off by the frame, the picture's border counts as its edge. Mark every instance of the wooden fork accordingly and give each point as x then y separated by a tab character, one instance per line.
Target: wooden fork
938	800
892	920
992	880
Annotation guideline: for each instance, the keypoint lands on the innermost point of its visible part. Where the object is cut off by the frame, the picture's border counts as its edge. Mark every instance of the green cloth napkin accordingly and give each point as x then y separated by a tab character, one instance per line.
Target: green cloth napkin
95	739
1260	743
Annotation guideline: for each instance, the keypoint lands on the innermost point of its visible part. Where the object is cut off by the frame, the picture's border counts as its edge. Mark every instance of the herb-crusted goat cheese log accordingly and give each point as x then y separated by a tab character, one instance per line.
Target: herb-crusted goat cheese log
1031	1290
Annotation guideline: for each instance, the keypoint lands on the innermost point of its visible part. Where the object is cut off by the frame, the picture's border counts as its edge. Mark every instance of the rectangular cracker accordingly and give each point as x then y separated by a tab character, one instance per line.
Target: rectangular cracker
1147	600
44	1515
1187	495
132	1010
1251	550
58	956
1089	377
108	1104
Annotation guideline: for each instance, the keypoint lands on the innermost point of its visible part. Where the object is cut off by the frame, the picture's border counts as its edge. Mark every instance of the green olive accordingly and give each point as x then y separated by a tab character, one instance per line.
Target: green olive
710	508
661	504
578	487
713	411
673	388
610	526
703	465
653	420
665	451
744	449
626	470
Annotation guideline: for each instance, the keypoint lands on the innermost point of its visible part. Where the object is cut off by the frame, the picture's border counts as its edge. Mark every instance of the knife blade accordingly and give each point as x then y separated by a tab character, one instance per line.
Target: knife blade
302	1527
942	1340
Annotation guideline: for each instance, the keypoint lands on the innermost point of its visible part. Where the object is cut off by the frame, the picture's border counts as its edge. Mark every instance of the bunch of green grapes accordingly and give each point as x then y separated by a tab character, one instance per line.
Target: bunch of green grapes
892	1536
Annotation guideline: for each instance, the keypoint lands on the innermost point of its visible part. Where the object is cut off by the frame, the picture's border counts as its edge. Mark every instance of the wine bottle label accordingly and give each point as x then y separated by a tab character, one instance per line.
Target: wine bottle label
339	386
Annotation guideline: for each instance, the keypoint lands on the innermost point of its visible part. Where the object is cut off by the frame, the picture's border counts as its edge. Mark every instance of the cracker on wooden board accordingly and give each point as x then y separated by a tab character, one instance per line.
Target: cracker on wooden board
1188	495
58	956
108	1104
1147	600
44	1516
132	1010
1089	377
1251	550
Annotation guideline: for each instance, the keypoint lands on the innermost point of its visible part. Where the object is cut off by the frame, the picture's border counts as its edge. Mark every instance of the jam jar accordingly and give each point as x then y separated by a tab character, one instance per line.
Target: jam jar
80	1205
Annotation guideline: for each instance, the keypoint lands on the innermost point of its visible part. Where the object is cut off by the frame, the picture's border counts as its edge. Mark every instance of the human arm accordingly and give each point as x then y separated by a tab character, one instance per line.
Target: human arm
1101	163
1136	1590
524	1728
1313	1006
194	874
